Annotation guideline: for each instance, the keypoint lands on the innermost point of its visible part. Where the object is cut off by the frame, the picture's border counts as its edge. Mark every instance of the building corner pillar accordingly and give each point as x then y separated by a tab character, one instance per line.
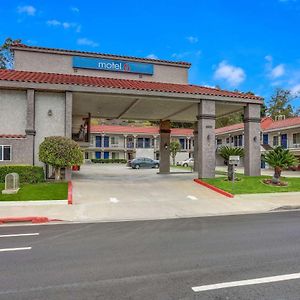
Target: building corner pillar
206	139
164	146
195	150
30	124
68	114
252	161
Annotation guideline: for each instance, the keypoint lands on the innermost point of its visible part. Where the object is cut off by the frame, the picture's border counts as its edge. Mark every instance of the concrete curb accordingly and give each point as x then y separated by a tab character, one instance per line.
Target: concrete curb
214	188
70	193
24	219
32	203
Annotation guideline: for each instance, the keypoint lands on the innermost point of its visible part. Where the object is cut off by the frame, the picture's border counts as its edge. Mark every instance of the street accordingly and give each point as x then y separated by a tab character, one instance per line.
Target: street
165	259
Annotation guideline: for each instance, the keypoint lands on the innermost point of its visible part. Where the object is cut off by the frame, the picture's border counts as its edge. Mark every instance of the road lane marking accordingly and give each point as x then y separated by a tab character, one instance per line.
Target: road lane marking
113	200
192	197
19	234
262	280
14	249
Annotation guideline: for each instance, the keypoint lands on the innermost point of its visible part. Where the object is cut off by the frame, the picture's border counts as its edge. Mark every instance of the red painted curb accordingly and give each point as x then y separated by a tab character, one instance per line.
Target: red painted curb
24	219
70	193
214	188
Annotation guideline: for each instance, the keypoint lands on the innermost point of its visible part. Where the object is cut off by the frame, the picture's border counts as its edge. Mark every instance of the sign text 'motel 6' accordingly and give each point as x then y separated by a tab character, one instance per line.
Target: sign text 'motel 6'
112	65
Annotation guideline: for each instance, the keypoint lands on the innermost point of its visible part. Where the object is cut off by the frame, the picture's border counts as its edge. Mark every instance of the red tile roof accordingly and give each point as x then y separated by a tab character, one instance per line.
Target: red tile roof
12	136
290	122
137	129
26	47
266	124
53	78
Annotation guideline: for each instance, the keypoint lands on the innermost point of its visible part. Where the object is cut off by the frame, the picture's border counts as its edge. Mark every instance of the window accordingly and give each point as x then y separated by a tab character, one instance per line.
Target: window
5	153
182	143
296	138
219	141
140	143
275	140
227	140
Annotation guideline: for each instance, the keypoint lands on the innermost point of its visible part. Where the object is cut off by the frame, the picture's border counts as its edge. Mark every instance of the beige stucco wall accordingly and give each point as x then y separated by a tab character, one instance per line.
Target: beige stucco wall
13	107
61	63
48	125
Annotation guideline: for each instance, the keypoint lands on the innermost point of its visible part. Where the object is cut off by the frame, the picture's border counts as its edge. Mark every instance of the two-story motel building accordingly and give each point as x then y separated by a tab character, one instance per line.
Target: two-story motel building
50	91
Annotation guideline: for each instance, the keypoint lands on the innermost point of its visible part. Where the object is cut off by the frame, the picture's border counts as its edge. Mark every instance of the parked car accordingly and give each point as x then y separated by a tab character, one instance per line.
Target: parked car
186	163
144	162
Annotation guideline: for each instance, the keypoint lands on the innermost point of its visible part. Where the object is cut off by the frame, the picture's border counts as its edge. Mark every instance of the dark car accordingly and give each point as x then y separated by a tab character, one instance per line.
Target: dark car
144	162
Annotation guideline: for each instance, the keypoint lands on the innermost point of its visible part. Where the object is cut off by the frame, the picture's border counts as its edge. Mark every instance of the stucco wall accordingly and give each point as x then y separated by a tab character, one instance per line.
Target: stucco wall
12	112
140	152
48	125
58	63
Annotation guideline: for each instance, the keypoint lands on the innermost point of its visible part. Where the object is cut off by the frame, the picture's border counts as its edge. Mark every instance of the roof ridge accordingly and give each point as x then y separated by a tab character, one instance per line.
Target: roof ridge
21	45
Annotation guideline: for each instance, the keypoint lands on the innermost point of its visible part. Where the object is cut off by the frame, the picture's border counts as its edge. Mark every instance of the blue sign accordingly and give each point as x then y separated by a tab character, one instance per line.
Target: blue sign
112	65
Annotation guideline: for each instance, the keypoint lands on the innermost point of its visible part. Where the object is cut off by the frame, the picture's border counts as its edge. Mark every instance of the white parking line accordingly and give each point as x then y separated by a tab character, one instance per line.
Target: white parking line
113	200
224	285
14	249
192	197
17	235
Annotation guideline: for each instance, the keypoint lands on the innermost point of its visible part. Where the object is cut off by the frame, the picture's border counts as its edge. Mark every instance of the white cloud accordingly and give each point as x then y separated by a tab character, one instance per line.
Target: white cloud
277	71
152	56
87	42
232	74
27	9
64	25
185	54
295	90
74	9
269	58
192	39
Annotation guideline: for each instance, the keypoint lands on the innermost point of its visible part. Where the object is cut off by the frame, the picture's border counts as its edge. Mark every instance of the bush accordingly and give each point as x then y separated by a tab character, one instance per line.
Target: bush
27	174
109	160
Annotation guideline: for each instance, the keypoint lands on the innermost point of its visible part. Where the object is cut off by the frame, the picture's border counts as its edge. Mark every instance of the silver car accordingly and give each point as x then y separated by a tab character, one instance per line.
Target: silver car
186	163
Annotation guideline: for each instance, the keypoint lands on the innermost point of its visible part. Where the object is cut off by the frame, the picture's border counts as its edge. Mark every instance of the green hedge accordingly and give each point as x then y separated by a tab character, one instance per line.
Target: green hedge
109	161
27	174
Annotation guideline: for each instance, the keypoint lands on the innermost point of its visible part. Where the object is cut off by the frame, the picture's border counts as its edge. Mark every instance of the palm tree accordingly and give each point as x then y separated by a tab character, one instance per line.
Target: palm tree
280	158
225	152
175	147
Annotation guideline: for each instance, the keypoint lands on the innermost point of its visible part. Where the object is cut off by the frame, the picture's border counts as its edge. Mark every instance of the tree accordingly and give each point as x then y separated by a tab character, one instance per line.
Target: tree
231	119
175	147
280	104
60	152
6	55
280	158
225	152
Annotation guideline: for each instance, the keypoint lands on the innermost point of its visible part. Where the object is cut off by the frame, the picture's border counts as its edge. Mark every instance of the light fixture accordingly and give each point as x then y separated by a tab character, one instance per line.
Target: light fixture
50	113
208	137
255	139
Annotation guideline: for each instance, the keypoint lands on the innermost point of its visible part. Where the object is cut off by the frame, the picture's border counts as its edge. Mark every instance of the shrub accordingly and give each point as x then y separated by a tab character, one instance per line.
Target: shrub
60	152
109	160
27	174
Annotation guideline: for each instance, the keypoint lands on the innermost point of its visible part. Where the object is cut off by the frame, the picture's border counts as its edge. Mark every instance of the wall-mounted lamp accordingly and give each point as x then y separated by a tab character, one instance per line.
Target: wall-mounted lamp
255	139
166	146
50	113
208	137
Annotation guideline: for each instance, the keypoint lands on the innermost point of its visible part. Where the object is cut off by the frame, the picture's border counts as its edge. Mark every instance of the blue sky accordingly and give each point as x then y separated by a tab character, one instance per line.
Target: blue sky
245	45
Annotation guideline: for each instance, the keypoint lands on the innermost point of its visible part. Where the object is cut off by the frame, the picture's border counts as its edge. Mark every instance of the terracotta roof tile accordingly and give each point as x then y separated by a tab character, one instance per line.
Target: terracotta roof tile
284	123
12	136
137	130
53	78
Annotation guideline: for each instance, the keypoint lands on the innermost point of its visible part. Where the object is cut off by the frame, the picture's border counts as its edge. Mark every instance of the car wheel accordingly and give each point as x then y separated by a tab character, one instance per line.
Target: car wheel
137	166
156	166
185	165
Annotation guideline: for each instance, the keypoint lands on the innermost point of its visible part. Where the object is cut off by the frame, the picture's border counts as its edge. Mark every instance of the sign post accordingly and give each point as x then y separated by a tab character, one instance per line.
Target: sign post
233	162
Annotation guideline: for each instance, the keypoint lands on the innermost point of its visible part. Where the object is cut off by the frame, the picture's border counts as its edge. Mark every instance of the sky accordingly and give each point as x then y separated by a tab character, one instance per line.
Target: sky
244	45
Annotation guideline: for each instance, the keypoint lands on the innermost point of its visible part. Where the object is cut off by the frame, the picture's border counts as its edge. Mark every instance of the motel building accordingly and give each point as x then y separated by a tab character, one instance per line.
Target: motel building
56	92
129	142
281	132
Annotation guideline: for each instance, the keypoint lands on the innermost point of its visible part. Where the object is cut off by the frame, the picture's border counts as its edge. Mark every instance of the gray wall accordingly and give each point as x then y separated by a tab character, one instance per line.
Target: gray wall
61	63
48	125
12	112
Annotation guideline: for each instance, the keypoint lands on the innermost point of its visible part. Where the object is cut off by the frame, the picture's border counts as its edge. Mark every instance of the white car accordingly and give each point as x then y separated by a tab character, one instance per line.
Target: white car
186	163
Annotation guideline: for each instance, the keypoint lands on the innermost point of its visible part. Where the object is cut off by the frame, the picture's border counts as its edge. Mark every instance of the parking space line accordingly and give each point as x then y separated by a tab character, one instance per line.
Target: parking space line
113	200
192	197
262	280
15	249
18	234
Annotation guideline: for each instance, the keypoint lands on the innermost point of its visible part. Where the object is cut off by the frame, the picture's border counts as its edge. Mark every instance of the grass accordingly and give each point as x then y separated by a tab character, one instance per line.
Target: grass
254	185
39	191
